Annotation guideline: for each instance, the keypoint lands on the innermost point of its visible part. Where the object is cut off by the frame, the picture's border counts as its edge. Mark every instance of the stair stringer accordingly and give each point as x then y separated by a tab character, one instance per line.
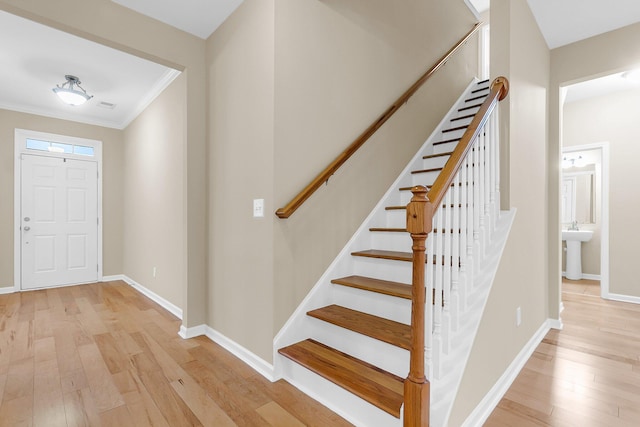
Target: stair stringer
299	326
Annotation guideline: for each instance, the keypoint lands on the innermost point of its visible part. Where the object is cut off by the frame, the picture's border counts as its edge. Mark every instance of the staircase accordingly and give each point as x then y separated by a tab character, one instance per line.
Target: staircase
348	344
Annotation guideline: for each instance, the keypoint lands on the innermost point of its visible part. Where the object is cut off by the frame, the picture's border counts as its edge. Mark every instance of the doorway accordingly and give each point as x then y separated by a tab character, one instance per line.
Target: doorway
57	210
588	205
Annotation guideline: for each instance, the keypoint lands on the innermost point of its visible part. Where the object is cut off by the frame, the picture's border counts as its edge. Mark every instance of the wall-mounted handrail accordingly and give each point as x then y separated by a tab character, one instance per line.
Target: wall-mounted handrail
324	176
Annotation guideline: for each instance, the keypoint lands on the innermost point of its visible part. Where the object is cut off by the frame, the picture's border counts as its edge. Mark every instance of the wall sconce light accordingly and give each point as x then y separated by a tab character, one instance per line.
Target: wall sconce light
70	92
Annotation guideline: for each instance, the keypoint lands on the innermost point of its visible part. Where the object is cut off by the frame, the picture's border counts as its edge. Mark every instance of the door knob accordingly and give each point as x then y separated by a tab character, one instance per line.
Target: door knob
27	228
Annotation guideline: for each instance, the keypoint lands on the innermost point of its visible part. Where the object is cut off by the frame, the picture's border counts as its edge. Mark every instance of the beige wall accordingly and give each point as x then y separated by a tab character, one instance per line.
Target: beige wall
593	57
240	57
613	118
106	22
292	83
523	57
339	66
112	149
153	195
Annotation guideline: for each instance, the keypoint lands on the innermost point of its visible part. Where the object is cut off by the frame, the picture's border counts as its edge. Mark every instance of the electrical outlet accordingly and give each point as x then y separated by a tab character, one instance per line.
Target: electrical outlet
518	316
258	208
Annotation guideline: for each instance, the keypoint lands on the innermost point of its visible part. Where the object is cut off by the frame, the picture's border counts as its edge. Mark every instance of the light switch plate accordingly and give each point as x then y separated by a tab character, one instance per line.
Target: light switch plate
258	208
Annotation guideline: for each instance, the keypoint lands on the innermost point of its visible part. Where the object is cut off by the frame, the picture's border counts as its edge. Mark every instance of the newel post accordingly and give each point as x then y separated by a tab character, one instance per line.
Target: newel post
416	386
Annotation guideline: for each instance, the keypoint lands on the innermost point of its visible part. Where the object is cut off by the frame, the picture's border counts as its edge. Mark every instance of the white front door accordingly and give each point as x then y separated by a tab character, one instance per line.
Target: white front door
59	221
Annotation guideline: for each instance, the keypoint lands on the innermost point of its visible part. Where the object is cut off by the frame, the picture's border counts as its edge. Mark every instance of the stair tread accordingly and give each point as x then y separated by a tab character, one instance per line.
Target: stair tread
426	170
376	386
431	156
396	289
382	329
393	255
447	141
470	107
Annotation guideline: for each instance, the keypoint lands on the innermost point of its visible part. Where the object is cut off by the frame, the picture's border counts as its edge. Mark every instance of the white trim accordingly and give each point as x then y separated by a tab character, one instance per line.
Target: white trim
170	307
113	278
7	290
585	276
169	76
486	406
623	298
556	323
194	331
473	9
20	136
257	363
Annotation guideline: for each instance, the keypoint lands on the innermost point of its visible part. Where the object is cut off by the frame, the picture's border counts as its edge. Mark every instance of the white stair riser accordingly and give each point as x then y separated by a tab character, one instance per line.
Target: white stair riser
386	306
385	356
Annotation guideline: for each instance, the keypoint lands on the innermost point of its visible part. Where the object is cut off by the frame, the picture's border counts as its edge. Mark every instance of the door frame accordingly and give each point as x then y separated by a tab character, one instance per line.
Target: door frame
20	137
603	147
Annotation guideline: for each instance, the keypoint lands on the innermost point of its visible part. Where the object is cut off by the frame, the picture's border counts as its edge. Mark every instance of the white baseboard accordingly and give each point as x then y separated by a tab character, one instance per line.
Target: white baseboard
170	307
192	332
486	406
623	298
257	363
585	276
7	290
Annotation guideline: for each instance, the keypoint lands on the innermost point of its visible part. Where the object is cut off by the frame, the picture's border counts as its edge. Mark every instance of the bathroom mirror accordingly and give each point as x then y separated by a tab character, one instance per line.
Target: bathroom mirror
578	195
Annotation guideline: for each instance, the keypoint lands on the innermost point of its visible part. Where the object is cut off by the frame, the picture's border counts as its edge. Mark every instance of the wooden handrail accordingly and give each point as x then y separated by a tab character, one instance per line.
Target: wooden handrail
499	90
324	176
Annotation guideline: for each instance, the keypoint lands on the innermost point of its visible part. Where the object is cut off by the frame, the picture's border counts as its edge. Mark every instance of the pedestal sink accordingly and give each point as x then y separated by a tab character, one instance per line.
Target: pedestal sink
574	239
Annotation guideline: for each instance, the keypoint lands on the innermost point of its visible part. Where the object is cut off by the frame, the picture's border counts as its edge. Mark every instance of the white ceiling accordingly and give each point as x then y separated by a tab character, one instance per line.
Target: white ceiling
566	21
198	17
35	58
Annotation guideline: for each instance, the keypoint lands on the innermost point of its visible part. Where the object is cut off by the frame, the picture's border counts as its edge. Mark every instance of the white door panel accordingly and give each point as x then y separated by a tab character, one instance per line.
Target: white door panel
59	221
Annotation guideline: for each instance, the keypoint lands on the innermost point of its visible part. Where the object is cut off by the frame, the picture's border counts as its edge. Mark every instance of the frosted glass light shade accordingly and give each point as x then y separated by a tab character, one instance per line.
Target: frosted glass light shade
70	96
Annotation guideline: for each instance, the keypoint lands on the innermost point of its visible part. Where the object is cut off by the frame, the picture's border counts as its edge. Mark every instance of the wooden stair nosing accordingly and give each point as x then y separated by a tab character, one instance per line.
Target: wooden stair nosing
427	186
376	386
480	89
395	256
386	287
475	98
468	116
455	129
385	330
447	141
426	171
470	107
433	156
404	230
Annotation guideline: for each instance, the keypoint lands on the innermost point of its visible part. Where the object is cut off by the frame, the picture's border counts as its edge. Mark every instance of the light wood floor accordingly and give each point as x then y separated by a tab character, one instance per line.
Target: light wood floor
586	375
104	355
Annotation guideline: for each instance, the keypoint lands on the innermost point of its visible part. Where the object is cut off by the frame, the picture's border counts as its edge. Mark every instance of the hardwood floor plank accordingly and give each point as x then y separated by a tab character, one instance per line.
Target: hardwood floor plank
104	355
104	393
276	416
16	412
587	374
19	380
207	411
80	409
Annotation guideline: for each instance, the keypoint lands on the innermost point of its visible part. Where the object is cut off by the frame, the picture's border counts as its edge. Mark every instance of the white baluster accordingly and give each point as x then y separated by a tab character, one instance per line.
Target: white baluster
454	300
446	270
437	306
429	314
465	284
477	208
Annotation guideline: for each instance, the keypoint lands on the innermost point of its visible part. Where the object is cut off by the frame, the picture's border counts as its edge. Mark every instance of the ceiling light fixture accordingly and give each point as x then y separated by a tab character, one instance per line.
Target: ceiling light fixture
70	95
572	162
